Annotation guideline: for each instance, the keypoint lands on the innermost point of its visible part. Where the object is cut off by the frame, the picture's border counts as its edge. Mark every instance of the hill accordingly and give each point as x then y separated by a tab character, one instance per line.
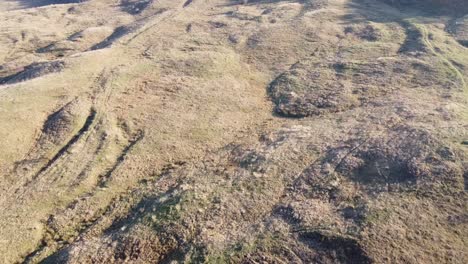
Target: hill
226	131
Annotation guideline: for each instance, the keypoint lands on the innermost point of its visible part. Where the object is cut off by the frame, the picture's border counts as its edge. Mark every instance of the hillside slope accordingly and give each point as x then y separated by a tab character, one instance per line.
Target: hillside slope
226	131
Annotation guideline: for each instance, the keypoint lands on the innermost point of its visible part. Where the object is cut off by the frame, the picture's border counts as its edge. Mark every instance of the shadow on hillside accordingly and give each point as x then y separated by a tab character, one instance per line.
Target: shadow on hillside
388	11
253	2
39	3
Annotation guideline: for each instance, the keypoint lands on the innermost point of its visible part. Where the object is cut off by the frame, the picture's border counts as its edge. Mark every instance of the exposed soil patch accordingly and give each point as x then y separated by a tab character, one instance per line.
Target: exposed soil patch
414	43
60	124
339	249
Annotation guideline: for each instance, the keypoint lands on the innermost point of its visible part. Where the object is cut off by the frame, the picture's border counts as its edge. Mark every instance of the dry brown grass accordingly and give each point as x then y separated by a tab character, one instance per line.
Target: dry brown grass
166	132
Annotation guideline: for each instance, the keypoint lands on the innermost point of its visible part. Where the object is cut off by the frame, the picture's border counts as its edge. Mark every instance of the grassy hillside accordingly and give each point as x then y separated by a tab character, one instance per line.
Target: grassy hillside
226	131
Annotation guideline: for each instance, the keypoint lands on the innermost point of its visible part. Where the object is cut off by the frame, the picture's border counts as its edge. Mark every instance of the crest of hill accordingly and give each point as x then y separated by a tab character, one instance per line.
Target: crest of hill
458	6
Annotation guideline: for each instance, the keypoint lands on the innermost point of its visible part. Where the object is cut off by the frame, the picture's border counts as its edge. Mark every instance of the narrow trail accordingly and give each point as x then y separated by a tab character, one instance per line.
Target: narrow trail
85	128
76	163
163	17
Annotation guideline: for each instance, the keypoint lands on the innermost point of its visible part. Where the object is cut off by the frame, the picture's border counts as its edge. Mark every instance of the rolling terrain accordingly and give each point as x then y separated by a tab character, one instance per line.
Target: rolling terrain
227	131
